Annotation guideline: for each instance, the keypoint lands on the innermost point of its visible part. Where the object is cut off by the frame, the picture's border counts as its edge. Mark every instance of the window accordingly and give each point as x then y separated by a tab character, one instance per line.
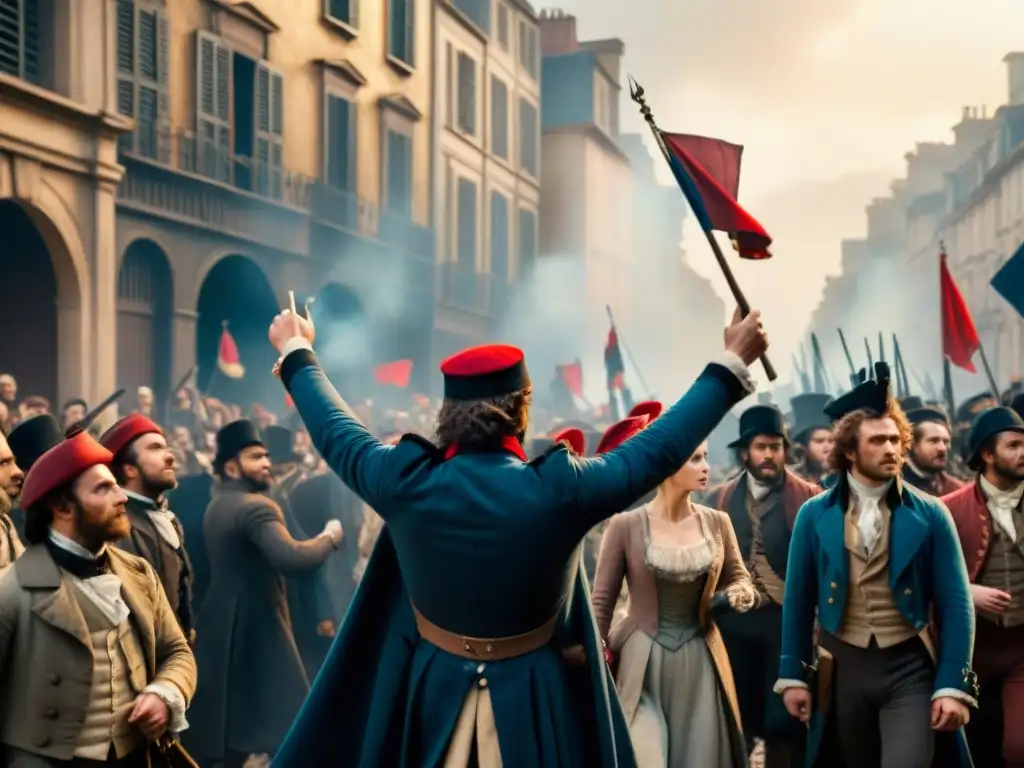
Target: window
500	231
401	30
499	118
528	58
502	26
20	39
341	143
399	173
239	119
477	11
467	215
466	108
528	138
142	70
344	11
527	240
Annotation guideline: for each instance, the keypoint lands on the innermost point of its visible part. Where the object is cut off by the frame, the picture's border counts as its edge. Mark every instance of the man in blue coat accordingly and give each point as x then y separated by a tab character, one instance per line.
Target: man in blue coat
470	640
879	560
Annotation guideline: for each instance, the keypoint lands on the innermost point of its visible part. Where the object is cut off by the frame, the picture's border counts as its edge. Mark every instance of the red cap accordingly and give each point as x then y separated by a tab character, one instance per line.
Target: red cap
620	432
572	437
132	426
490	370
62	464
650	408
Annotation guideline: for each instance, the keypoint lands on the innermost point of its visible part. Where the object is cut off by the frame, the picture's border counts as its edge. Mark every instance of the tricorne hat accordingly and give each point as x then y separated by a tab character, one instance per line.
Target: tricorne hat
870	394
620	432
61	465
486	371
33	437
235	437
125	431
760	419
809	414
989	423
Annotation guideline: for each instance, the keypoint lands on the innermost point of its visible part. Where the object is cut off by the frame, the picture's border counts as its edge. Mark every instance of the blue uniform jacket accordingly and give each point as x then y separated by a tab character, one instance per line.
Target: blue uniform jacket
485	545
927	575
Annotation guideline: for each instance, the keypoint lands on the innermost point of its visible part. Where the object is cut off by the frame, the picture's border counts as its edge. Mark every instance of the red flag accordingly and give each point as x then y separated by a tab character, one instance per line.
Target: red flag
708	172
613	365
959	335
393	374
571	375
228	360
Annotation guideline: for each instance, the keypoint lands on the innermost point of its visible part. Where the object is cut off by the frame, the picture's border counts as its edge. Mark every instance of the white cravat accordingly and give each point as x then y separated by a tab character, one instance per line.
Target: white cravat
1001	505
869	522
758	490
161	517
103	591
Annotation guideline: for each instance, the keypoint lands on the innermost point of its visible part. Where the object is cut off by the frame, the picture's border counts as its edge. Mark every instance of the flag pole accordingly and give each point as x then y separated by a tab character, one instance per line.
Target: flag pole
636	92
625	349
981	347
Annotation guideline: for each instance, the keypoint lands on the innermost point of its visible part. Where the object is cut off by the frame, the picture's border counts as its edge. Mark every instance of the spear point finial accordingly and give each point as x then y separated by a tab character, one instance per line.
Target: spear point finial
636	91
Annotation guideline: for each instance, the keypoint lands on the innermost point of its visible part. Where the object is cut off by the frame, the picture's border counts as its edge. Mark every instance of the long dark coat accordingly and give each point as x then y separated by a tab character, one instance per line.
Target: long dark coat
253	681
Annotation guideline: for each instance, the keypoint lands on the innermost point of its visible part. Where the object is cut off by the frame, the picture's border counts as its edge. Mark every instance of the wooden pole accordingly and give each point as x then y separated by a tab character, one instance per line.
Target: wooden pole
636	92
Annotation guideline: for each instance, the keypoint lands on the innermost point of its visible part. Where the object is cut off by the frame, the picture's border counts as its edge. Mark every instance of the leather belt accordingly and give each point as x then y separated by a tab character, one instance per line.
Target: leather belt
485	649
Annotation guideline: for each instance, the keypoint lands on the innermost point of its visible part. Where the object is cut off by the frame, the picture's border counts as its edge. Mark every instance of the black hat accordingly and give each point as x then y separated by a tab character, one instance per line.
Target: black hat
760	420
927	413
872	394
33	437
280	443
972	406
809	414
233	438
989	423
1018	404
911	403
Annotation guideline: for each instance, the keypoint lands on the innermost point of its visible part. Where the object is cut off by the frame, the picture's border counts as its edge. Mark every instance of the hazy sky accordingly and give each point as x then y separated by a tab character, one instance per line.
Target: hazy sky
827	96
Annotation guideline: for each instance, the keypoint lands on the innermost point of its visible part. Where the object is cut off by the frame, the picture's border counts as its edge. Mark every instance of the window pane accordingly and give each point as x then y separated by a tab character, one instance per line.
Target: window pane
467	224
499	118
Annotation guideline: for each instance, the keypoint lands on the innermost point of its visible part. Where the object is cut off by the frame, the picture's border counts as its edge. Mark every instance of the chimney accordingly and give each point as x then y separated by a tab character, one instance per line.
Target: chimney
1015	77
557	33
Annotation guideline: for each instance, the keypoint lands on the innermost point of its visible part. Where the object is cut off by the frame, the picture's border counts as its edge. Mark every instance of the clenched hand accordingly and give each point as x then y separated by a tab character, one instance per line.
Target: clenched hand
746	336
150	716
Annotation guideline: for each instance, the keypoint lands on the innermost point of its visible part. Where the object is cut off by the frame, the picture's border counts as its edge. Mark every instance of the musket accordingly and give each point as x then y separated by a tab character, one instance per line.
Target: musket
86	421
636	92
819	365
849	357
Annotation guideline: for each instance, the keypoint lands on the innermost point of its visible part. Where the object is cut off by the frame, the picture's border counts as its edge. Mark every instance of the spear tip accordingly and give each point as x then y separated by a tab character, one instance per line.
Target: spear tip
636	91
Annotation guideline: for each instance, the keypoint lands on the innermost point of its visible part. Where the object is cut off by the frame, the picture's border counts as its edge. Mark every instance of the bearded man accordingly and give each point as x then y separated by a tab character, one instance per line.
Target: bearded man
144	467
873	560
811	436
11	478
989	519
927	464
762	502
253	679
471	640
93	664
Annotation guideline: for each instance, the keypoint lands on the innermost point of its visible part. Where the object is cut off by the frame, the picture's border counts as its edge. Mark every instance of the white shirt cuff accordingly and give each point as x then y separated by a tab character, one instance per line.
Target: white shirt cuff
955	693
732	361
783	684
293	345
175	702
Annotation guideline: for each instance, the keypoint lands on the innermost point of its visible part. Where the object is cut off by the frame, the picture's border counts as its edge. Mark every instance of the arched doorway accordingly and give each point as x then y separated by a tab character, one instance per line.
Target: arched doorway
343	340
29	346
144	320
237	295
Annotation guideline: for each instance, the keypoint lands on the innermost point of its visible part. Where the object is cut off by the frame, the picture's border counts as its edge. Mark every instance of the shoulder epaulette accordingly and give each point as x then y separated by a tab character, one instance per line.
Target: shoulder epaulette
556	448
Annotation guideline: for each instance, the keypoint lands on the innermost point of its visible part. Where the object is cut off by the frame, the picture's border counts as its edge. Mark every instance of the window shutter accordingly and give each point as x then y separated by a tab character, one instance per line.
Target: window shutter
410	32
213	113
126	37
339	149
269	131
163	87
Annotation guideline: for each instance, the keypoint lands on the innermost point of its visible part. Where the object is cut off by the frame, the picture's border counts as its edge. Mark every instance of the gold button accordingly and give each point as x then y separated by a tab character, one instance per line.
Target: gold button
480	669
831	600
483	682
490	648
465	646
833	585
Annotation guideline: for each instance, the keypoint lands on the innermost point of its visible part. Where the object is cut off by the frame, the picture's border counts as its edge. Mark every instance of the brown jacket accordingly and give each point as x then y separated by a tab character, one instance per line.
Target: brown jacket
969	510
46	651
622	556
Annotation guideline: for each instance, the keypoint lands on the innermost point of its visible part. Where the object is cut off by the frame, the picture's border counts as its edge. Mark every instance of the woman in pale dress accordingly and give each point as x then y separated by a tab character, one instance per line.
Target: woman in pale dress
678	558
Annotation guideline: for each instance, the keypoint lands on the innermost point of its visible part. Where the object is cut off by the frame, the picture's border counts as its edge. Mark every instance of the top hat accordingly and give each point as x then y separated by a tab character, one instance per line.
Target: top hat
757	420
280	444
989	423
33	437
911	403
809	414
870	394
233	438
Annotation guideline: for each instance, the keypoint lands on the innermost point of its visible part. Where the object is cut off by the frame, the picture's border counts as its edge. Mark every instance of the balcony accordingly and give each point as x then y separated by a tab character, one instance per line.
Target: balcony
464	289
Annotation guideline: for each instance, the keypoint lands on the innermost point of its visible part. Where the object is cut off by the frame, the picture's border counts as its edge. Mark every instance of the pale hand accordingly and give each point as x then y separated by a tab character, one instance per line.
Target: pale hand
287	326
335	531
741	598
990	600
150	716
746	336
798	703
949	714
